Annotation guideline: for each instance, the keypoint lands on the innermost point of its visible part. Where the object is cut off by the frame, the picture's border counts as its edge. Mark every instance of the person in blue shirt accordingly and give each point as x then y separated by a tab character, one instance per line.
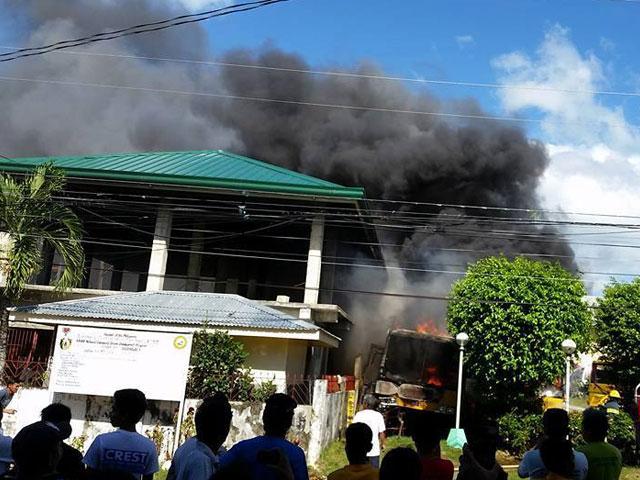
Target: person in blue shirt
6	395
198	457
556	426
256	453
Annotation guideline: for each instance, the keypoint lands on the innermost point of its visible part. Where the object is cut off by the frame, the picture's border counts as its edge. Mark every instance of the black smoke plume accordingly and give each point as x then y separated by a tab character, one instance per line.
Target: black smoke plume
426	158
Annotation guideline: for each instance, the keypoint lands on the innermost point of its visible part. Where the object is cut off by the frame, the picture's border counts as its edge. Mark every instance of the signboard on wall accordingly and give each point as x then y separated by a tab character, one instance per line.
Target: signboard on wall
99	361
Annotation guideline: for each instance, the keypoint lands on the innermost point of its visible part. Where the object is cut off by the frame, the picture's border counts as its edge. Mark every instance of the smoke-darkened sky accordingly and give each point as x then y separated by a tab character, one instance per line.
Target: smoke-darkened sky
393	155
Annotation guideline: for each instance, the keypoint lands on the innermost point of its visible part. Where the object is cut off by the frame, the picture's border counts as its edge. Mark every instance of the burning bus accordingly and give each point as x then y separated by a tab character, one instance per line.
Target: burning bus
418	371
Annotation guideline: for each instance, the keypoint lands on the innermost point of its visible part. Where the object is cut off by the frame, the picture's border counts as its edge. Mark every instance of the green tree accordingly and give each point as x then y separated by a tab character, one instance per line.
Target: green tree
31	217
516	313
217	365
617	323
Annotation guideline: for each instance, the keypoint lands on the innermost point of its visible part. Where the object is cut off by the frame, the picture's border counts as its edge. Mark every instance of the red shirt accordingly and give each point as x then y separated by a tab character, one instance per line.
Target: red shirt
436	469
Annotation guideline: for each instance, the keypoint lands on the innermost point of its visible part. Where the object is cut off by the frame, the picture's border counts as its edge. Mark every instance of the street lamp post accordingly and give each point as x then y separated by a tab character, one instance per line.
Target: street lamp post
568	347
457	437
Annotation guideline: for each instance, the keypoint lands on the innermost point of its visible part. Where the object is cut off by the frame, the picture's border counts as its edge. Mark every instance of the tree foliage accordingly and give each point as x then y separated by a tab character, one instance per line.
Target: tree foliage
516	313
617	323
217	361
31	215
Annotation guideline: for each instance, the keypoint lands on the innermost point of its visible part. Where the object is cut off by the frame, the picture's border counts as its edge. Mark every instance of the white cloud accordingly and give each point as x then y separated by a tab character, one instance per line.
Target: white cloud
464	40
202	5
594	149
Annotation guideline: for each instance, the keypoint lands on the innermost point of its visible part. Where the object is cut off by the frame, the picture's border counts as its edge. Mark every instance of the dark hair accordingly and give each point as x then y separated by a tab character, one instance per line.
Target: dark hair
358	438
56	412
130	403
557	456
33	447
555	422
370	401
213	419
400	463
595	425
482	438
426	432
278	414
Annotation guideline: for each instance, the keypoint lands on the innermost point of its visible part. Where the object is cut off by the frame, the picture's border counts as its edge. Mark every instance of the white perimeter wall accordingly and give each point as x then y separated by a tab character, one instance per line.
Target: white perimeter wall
314	426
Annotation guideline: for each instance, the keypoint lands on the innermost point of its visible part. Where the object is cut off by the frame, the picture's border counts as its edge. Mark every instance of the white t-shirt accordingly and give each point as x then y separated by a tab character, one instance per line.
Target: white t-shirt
123	451
375	421
194	460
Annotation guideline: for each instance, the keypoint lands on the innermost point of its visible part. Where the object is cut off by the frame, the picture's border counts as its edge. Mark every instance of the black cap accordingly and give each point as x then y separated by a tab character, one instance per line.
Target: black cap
35	441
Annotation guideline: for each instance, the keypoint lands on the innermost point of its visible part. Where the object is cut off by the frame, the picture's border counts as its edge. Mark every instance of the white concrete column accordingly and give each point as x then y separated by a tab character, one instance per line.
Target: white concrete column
159	251
314	261
195	261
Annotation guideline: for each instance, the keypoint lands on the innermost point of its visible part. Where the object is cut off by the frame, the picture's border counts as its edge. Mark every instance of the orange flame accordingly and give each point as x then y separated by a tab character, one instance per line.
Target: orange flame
431	327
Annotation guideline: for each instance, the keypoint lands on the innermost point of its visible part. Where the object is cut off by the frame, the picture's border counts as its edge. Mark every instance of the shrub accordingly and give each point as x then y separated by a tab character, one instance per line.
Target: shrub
216	361
264	390
520	433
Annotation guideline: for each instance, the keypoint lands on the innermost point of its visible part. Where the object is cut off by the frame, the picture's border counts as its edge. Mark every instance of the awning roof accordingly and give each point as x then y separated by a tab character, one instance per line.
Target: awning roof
168	307
204	169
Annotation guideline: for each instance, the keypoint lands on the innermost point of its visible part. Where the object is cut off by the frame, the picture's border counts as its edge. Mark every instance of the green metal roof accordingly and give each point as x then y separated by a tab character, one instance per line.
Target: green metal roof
209	169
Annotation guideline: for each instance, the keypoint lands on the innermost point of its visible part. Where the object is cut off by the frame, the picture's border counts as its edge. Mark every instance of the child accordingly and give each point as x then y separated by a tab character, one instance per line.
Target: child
125	450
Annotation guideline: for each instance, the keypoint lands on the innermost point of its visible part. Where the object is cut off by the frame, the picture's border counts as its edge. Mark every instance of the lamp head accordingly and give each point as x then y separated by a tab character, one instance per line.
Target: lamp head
568	346
462	338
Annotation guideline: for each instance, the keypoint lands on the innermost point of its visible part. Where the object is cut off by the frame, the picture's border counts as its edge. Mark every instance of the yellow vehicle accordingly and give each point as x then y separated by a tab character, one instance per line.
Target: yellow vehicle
552	398
419	372
602	385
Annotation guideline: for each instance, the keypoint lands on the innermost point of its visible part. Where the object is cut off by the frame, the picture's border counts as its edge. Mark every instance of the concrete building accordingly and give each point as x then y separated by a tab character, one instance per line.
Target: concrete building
211	222
277	344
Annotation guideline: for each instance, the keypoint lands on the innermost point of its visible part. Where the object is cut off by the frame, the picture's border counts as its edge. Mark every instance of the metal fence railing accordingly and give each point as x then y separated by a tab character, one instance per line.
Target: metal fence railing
32	374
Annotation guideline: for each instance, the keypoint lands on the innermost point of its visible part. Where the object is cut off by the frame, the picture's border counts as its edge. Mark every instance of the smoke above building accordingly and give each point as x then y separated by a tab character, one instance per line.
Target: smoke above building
400	156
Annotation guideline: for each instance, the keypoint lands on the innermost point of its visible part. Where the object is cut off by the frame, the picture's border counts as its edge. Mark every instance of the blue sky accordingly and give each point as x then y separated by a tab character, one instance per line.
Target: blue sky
442	39
593	141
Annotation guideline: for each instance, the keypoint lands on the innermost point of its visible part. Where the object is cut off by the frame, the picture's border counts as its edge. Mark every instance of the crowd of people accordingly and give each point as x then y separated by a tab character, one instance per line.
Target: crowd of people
38	451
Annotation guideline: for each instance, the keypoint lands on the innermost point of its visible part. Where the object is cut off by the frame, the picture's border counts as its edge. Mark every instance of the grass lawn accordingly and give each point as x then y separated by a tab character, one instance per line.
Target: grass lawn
333	457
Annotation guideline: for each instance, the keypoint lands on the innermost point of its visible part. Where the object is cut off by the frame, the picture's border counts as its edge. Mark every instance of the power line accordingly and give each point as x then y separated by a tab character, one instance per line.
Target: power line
338	290
333	73
136	29
499	118
339	264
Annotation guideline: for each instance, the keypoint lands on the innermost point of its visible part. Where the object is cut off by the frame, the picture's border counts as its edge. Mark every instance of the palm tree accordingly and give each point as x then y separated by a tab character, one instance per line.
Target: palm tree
30	218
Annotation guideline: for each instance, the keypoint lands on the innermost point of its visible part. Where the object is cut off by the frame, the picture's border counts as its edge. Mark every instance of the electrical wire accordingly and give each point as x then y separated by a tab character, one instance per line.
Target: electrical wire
136	30
343	290
338	106
381	201
339	74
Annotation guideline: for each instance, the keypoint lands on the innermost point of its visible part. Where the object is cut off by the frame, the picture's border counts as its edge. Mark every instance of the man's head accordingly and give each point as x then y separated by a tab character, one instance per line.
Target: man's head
555	423
213	420
59	415
36	450
426	432
370	402
595	425
278	414
128	408
13	386
400	463
359	440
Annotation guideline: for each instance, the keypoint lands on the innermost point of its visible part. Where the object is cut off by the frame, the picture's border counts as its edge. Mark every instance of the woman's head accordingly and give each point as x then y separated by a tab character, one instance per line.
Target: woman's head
557	456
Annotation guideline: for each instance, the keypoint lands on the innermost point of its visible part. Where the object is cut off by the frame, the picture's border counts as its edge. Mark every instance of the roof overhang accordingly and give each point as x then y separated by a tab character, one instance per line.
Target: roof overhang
223	186
318	337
